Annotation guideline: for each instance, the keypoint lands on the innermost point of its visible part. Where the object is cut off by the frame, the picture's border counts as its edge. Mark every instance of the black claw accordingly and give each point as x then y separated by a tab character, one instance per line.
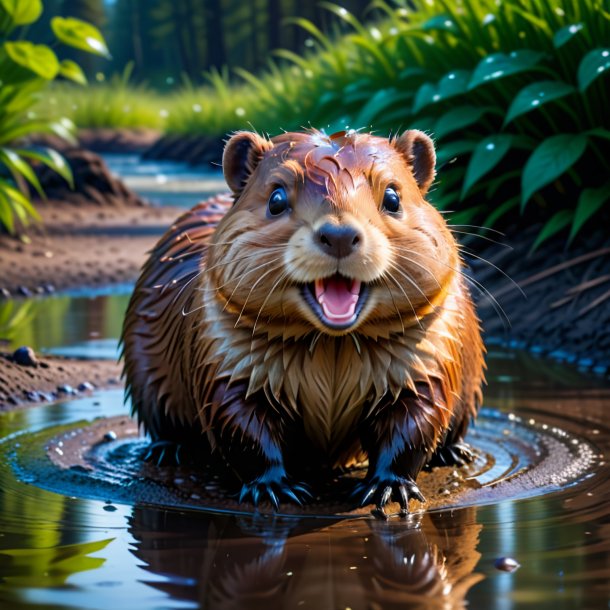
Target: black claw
273	487
163	453
273	498
417	494
456	454
380	490
288	492
386	494
303	490
404	499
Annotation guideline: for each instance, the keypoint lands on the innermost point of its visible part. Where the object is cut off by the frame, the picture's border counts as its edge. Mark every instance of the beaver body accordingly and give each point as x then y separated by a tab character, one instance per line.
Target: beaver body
321	319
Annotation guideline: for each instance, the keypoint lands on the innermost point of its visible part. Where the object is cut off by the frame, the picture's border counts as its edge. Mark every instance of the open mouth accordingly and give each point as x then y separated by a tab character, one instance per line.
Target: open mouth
336	300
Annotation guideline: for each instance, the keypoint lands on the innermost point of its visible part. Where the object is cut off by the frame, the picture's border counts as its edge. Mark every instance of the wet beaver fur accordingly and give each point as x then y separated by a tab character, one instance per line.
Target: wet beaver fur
322	320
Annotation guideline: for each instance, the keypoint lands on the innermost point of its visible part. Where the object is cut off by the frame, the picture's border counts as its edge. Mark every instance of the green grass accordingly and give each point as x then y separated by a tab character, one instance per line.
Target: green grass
114	103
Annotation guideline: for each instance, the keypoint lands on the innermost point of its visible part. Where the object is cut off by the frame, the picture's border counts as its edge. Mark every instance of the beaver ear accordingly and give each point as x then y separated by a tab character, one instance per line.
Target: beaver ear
242	154
418	149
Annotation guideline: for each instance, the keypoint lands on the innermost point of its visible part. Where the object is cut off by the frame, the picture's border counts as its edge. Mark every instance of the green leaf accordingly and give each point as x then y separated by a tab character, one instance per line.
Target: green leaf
18	166
502	209
452	84
381	101
14	204
599	132
6	211
52	159
499	65
413	72
589	202
423	97
560	220
444	23
63	128
458	118
565	34
71	70
593	64
450	150
488	153
80	35
536	95
550	159
22	12
36	58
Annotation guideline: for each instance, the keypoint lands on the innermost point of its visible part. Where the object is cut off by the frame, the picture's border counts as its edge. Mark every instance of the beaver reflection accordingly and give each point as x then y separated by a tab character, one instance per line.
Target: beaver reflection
226	561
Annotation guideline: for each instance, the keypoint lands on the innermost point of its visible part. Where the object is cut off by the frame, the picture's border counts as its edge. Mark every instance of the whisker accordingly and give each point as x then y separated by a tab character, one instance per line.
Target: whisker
239	258
262	277
255	283
406	297
497	307
394	303
414	262
484	260
282	277
500	233
217	288
489	239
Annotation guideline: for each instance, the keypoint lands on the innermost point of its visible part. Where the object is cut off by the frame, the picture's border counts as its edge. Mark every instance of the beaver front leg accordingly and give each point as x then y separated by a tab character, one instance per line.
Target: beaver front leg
399	438
249	433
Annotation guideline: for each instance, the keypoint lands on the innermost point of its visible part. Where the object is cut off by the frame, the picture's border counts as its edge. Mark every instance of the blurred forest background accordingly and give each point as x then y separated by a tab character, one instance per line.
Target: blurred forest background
169	39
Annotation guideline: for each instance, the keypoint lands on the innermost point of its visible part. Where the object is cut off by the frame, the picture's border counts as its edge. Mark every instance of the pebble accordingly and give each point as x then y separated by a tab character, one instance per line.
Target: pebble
507	564
66	389
25	356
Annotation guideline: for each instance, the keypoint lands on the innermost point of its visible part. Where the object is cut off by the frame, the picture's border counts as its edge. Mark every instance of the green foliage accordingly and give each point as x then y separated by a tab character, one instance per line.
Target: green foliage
517	90
26	69
514	92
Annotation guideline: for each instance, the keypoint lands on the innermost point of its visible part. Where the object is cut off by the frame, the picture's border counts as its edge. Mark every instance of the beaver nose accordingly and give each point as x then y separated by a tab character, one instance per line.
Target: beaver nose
338	240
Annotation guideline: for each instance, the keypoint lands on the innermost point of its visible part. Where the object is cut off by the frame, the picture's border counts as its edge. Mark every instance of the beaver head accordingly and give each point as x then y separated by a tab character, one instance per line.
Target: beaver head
330	232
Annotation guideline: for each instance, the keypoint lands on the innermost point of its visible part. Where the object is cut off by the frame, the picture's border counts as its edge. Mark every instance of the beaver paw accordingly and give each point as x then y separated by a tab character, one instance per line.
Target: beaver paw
457	454
273	485
163	453
380	489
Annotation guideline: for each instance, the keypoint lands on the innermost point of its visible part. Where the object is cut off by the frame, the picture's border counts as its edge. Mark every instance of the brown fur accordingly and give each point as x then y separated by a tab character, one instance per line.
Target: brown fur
219	341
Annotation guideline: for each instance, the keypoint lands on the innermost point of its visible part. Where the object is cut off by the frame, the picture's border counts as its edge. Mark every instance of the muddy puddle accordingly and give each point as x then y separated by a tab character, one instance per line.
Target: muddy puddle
85	524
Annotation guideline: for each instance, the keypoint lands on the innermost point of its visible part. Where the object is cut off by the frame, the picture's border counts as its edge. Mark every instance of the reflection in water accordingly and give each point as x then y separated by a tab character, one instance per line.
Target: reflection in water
55	322
223	561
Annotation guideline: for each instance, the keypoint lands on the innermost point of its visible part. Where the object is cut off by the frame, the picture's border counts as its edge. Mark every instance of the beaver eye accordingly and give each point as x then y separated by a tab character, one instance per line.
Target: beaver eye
391	200
278	202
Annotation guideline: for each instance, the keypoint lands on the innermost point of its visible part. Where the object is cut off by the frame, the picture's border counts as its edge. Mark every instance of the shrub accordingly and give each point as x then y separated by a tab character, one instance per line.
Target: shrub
26	69
515	93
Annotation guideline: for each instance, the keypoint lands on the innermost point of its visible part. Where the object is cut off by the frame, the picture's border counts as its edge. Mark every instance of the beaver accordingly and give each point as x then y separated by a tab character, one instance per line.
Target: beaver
319	318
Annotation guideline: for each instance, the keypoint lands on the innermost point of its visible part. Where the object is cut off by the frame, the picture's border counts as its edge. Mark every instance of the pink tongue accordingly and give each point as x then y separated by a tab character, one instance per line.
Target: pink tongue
338	297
